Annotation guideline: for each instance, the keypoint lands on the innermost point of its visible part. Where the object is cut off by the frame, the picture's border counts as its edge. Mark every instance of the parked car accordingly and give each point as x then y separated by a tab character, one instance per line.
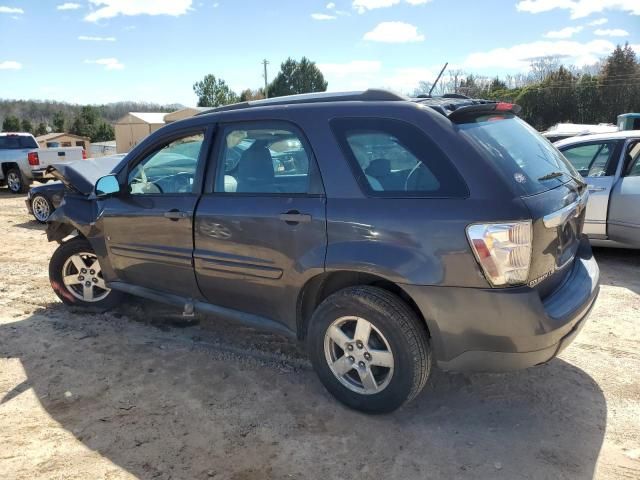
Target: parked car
414	232
561	131
22	161
610	163
42	200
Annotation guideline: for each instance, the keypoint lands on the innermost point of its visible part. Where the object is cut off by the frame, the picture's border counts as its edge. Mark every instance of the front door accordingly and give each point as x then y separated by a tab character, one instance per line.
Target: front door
624	213
260	232
597	163
149	230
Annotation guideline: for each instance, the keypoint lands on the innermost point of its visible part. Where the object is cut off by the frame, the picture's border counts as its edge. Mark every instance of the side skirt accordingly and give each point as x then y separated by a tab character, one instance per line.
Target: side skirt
190	306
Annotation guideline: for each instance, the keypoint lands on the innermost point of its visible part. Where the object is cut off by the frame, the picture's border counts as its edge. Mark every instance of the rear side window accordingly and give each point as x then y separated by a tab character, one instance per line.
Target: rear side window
394	158
591	160
531	164
8	142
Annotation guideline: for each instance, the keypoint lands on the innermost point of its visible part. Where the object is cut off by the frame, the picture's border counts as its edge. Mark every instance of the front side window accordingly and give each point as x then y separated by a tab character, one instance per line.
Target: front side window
391	157
267	159
633	157
169	170
590	160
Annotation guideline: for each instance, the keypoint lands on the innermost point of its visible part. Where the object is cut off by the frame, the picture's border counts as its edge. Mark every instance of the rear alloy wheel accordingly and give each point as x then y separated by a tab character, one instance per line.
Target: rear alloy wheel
15	182
41	207
369	349
76	276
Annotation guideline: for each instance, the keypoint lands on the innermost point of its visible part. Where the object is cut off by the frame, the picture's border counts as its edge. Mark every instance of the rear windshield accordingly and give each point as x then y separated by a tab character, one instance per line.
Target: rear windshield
8	142
529	161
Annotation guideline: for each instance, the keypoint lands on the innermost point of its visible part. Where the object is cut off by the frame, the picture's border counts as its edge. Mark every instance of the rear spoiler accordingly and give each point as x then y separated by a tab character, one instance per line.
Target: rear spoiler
459	108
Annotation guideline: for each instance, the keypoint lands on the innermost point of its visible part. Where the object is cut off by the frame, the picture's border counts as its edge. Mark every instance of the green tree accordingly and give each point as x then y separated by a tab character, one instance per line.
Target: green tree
11	123
59	121
213	92
588	99
104	133
297	77
248	95
618	84
86	122
26	126
42	129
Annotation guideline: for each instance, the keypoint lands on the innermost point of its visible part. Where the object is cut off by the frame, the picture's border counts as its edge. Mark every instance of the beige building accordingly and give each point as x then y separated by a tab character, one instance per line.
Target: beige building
52	140
135	126
184	113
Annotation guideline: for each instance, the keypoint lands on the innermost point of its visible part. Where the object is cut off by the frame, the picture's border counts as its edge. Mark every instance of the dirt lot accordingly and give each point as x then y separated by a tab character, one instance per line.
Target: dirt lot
139	393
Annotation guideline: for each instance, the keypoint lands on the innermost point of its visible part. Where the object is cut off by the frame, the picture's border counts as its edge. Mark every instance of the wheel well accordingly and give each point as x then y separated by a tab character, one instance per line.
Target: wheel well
8	166
323	285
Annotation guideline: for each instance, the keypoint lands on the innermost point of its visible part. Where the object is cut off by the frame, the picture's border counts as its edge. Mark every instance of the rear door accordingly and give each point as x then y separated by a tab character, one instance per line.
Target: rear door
260	229
149	230
597	162
624	212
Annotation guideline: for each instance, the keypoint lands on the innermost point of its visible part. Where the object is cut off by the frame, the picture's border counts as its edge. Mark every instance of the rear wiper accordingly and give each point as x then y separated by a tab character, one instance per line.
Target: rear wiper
551	176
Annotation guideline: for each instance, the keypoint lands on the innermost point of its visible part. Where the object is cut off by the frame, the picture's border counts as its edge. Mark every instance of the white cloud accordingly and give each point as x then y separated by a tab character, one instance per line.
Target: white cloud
13	10
10	65
69	6
599	21
406	80
566	32
361	6
355	67
113	8
331	5
579	8
96	39
394	32
611	32
108	63
322	16
519	57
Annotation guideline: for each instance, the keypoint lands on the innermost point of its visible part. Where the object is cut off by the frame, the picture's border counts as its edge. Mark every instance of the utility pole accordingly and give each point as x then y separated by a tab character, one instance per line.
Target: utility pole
266	82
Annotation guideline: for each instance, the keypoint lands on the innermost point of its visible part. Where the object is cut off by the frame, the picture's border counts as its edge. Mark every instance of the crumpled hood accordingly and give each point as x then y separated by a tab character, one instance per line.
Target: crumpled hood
83	174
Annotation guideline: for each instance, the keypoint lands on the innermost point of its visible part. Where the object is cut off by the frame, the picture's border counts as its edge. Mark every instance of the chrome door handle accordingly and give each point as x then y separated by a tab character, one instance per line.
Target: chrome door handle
175	214
294	216
593	188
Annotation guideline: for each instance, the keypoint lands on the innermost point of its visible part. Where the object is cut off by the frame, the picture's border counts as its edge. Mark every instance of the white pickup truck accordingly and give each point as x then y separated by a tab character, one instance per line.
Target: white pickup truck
21	161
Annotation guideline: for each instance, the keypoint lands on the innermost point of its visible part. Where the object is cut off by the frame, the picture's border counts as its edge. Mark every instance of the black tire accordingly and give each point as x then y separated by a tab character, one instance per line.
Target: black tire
402	330
58	264
39	213
17	184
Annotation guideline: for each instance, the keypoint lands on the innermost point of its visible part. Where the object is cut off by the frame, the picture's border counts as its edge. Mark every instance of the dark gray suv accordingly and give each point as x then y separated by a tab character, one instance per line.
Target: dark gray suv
387	233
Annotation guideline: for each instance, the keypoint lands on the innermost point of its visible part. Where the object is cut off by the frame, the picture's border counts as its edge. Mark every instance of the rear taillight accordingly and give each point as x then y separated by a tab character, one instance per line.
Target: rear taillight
84	154
33	158
503	251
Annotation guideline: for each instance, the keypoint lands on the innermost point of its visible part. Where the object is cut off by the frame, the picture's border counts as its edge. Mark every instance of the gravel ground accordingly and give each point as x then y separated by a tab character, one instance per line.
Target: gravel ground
140	393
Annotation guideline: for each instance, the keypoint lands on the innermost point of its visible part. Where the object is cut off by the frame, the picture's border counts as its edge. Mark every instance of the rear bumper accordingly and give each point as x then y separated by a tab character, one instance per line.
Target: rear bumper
508	329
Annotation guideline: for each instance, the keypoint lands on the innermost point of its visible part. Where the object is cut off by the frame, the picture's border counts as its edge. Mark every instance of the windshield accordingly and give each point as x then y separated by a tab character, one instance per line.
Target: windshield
531	163
9	142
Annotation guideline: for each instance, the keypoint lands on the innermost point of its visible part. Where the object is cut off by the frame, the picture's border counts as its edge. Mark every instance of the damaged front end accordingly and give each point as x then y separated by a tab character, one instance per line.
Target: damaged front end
79	209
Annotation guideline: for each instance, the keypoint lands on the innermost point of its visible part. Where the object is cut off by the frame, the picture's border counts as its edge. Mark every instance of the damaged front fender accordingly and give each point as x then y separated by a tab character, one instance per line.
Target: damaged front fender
76	213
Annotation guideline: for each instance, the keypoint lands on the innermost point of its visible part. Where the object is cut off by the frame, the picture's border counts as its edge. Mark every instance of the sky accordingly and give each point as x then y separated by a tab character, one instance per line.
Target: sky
101	51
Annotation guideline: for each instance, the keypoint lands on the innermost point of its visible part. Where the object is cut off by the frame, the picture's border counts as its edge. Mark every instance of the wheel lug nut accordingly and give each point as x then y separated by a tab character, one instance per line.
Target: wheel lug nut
88	284
84	270
349	347
361	364
367	355
95	280
352	360
92	272
359	344
81	278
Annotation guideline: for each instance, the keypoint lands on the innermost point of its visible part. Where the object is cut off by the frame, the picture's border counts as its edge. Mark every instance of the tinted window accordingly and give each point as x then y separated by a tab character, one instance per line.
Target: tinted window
590	160
171	169
634	160
263	159
395	158
530	162
8	142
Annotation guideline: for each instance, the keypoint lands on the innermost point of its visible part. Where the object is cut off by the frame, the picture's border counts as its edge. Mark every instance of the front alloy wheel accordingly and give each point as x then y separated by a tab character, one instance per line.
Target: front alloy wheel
41	208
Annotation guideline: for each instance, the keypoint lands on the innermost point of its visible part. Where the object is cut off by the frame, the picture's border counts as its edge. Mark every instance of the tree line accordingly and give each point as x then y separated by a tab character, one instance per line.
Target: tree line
93	121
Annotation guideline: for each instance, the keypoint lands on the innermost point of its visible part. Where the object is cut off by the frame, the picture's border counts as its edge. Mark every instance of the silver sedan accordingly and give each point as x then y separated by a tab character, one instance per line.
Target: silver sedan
610	163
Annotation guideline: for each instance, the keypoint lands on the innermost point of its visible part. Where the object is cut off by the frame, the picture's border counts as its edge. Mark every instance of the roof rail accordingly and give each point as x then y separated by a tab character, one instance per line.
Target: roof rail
370	95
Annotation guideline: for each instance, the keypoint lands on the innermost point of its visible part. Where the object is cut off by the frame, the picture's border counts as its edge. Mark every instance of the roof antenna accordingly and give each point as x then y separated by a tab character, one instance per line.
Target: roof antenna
439	75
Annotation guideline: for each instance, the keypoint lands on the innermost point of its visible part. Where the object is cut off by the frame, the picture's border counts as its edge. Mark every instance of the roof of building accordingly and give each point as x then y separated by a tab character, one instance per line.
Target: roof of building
146	117
53	135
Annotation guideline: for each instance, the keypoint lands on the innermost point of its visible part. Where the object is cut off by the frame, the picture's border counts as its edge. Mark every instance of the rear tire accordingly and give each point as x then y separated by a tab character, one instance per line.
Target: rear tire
369	349
16	182
76	277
